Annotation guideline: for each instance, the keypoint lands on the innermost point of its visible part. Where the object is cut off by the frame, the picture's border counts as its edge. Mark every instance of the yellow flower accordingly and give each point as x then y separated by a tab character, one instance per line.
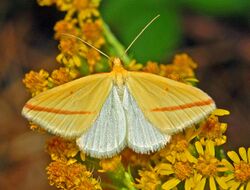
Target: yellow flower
83	5
72	62
92	57
65	26
182	69
129	157
72	5
36	82
110	164
92	32
178	172
62	75
208	166
149	179
134	66
178	147
59	148
70	46
213	130
152	67
71	176
239	178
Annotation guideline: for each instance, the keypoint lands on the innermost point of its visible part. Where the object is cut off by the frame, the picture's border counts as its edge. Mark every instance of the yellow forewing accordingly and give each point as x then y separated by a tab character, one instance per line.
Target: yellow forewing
169	105
70	109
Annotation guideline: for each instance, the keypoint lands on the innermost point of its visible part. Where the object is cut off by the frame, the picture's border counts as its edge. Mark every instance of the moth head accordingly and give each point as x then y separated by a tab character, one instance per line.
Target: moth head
115	62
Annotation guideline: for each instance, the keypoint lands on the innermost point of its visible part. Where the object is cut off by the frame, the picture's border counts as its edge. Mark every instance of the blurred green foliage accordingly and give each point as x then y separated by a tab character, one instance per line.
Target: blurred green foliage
126	18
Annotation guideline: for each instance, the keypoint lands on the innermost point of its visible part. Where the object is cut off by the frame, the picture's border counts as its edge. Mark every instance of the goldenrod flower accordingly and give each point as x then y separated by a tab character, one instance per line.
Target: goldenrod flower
239	178
92	32
208	166
70	46
211	129
71	5
151	67
110	164
66	26
71	176
178	148
36	82
62	75
149	179
131	158
182	68
134	66
177	172
61	149
92	57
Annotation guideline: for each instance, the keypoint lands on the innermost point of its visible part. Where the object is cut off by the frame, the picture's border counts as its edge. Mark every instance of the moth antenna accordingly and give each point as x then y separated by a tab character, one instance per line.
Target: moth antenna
138	35
83	41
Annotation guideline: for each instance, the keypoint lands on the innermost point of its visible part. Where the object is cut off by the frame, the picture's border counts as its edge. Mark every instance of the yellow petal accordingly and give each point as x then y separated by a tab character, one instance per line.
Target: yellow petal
212	183
165	169
71	161
227	164
59	57
223	127
210	148
199	148
77	61
190	157
228	178
170	184
198	177
188	184
248	185
221	182
201	184
243	153
242	188
83	156
248	154
233	156
235	185
220	112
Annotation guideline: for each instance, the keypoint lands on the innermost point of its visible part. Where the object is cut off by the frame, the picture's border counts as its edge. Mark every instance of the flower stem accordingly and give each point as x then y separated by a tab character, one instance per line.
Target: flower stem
116	47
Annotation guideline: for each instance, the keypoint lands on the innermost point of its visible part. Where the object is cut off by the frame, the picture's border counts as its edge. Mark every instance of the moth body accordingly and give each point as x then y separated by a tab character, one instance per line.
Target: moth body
109	111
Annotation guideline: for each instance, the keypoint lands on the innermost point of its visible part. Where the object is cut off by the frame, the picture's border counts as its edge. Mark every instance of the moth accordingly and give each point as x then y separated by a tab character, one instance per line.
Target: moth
107	112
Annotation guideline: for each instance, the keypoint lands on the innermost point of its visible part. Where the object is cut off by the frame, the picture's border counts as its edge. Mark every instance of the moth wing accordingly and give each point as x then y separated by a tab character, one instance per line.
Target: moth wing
70	109
142	137
107	135
169	105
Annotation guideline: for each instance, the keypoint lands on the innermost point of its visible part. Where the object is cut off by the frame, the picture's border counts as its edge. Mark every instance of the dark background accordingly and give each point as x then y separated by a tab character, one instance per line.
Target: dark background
214	33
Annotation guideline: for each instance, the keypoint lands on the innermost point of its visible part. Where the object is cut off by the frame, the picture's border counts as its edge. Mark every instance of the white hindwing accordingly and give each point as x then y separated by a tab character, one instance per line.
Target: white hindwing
142	137
107	136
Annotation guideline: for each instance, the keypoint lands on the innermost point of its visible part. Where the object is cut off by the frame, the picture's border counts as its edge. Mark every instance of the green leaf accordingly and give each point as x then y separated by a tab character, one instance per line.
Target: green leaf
219	7
127	18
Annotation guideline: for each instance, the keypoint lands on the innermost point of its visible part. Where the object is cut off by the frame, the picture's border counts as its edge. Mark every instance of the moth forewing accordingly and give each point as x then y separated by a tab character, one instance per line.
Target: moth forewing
70	109
169	105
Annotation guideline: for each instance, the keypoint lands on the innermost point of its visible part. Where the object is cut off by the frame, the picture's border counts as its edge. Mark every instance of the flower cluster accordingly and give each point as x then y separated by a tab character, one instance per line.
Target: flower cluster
194	159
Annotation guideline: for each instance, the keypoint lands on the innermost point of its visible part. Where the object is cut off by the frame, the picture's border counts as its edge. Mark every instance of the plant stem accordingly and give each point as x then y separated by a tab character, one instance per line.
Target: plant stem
117	46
